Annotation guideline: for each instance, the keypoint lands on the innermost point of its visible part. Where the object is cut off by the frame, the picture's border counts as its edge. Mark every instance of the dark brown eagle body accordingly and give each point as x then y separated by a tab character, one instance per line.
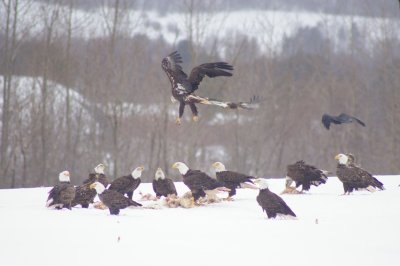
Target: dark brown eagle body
84	194
164	187
61	196
355	178
116	201
198	181
233	180
125	185
272	204
306	175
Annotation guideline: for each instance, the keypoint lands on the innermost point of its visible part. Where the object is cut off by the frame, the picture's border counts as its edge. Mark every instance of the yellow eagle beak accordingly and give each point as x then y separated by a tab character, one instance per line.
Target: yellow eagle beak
174	166
337	157
93	185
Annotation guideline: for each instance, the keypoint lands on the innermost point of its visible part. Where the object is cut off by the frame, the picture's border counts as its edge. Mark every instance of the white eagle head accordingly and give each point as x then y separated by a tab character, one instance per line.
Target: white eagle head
137	172
159	174
99	169
342	158
99	187
182	168
64	176
262	183
219	167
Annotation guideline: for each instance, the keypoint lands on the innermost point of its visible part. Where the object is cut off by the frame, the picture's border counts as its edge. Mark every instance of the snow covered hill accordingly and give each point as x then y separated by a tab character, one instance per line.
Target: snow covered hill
360	229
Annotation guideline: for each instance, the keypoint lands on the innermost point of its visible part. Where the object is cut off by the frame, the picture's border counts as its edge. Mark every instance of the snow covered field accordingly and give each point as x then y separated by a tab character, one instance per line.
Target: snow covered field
360	229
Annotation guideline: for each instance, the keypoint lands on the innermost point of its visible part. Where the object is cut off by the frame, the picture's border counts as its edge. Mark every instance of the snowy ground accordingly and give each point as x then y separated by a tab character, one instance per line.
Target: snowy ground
360	229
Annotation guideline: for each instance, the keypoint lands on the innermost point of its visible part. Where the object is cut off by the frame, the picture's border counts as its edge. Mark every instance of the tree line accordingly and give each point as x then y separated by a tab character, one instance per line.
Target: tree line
71	101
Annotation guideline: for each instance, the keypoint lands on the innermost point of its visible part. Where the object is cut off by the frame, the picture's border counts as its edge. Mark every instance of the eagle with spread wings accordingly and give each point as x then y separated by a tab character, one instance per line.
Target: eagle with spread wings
183	86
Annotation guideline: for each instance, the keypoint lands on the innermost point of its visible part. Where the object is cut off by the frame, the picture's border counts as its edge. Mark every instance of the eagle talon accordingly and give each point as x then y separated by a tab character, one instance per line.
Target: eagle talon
195	118
178	121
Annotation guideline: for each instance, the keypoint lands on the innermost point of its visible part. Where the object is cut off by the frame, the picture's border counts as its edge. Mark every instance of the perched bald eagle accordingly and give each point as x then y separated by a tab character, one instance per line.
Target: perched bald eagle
128	184
183	87
232	180
271	203
340	119
98	175
197	181
84	194
61	195
163	186
305	175
112	199
354	177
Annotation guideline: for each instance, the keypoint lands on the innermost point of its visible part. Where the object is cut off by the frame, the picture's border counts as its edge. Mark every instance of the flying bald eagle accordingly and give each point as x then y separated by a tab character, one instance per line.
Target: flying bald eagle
232	180
305	175
197	181
340	119
271	203
183	87
61	195
354	177
128	184
84	194
163	186
112	199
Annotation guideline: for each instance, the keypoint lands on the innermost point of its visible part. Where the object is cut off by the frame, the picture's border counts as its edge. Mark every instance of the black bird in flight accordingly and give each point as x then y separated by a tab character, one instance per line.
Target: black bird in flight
183	86
340	119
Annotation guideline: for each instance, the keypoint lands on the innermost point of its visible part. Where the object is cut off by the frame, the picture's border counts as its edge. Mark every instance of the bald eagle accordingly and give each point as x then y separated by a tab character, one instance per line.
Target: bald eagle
197	181
354	177
98	175
232	180
340	119
163	186
128	184
112	199
271	203
61	195
305	175
183	87
84	194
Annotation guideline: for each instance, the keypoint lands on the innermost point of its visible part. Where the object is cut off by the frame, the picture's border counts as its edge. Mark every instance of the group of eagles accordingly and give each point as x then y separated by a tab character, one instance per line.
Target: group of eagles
118	194
203	188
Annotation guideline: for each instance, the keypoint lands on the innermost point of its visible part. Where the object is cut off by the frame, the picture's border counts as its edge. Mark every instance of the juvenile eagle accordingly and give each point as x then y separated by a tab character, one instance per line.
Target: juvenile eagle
340	119
271	203
305	175
197	181
232	180
163	186
128	184
84	194
354	177
183	87
112	199
61	195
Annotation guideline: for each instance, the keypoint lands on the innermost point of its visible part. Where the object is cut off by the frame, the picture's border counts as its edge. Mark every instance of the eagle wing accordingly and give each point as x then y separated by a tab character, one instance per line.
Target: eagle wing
199	180
112	199
125	184
345	118
164	187
172	63
233	177
327	120
210	70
